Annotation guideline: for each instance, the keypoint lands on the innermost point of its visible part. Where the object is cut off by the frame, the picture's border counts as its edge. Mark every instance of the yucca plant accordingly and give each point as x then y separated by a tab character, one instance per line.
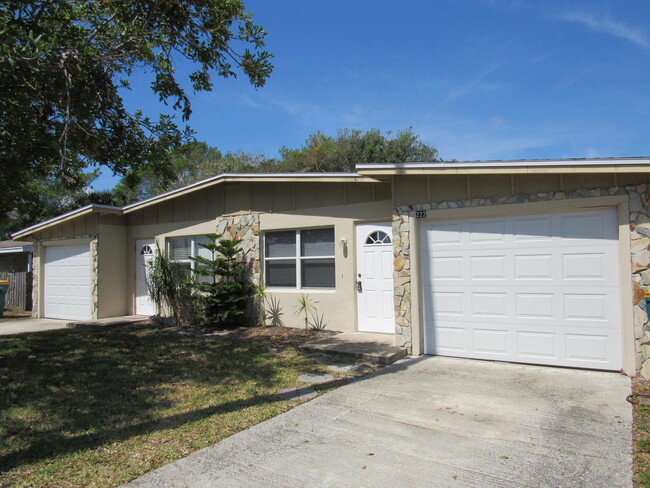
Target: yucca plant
305	307
268	307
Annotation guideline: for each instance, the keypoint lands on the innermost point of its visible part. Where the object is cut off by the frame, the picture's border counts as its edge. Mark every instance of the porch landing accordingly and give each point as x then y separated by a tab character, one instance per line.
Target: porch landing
125	319
379	348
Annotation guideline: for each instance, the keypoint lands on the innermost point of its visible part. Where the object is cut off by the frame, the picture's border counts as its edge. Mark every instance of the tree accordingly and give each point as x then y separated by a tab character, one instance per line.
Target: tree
193	161
351	147
63	64
223	293
43	199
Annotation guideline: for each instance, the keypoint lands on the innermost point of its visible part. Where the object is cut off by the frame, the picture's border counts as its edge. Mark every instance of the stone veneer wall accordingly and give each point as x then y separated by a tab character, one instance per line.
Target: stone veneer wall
639	203
246	229
94	275
35	278
94	279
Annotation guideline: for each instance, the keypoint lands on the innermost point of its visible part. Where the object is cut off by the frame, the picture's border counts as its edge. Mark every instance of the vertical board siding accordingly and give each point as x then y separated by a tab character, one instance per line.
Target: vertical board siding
20	289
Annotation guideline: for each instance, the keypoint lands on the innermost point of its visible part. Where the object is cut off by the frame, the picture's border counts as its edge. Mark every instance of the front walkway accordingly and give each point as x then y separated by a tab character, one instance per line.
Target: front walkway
379	348
433	422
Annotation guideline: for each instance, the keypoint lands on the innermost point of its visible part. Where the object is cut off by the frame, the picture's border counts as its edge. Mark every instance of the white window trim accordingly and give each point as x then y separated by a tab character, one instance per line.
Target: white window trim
298	259
193	251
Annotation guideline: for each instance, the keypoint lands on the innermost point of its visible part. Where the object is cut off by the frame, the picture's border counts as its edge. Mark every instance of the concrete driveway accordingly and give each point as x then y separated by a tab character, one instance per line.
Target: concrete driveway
433	422
23	326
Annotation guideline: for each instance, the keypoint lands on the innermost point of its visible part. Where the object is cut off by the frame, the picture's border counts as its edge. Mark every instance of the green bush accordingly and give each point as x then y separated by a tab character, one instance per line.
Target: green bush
169	288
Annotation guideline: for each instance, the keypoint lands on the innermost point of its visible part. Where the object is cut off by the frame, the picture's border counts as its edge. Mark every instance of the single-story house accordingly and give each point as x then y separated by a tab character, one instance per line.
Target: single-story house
540	261
16	266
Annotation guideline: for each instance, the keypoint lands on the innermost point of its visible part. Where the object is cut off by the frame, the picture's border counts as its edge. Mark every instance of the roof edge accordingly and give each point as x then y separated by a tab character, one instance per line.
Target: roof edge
241	177
364	169
91	208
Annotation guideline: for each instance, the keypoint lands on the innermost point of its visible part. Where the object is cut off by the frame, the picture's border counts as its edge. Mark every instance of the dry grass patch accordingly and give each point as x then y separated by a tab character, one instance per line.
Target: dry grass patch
100	407
641	416
14	314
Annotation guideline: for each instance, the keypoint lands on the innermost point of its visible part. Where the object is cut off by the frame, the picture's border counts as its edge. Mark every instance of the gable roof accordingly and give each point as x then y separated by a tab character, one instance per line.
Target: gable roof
88	209
249	177
370	173
199	185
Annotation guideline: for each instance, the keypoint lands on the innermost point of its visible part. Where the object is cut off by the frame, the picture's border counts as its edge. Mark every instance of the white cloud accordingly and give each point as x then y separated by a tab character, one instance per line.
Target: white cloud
611	27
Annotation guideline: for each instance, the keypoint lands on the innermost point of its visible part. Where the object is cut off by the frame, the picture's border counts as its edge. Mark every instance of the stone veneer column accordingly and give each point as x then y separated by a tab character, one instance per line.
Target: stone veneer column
402	276
640	255
94	279
639	207
36	246
246	229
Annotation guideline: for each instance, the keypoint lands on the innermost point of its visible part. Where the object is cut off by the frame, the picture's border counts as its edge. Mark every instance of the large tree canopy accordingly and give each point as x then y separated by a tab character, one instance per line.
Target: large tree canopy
63	62
351	147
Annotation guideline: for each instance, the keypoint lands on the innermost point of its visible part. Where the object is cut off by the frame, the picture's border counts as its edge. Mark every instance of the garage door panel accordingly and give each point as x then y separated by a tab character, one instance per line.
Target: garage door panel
569	348
592	225
532	230
66	289
490	231
546	291
521	305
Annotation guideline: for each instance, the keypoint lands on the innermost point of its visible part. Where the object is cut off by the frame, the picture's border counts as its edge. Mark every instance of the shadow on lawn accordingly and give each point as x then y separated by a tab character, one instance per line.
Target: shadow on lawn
70	390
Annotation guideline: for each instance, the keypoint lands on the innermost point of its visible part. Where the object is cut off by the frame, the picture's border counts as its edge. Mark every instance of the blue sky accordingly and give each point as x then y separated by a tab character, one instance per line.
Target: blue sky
478	79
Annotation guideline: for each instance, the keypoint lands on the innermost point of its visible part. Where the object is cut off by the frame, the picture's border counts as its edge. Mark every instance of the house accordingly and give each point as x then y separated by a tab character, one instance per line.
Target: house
16	266
540	261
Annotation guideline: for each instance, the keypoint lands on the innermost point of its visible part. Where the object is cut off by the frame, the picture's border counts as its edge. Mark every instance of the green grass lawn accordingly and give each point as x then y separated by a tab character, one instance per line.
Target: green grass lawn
99	407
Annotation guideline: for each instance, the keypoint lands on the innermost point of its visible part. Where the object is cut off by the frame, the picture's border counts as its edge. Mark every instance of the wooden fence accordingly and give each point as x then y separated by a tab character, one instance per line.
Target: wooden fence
20	289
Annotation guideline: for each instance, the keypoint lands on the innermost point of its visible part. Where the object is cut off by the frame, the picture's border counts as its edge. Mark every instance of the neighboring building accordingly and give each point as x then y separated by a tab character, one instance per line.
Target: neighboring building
526	261
16	266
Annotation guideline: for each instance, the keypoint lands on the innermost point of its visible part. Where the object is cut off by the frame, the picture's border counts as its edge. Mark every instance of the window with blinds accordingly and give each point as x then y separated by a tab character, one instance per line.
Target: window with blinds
299	259
182	249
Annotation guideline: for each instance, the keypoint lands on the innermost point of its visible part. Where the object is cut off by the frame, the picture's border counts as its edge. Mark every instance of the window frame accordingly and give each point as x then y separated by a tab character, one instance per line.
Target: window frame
298	259
193	250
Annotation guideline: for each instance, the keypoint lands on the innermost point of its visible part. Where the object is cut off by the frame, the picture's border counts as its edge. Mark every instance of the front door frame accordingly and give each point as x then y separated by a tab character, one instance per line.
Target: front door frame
142	309
362	230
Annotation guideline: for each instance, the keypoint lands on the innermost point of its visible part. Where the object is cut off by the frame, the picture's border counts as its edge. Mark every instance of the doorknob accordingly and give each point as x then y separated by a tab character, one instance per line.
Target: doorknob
359	287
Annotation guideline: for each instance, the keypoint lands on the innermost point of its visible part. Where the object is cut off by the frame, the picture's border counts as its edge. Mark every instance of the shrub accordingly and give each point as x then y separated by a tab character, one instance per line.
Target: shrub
169	288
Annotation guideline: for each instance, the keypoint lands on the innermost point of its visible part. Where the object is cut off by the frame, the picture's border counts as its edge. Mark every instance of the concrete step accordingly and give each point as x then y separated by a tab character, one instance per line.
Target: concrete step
378	348
126	319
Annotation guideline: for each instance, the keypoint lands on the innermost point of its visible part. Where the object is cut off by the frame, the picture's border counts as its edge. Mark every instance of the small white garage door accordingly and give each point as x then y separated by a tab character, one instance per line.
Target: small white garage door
66	285
531	288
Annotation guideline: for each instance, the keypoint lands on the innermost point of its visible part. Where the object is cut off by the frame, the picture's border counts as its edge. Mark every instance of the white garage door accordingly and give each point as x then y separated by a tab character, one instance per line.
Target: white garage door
531	288
66	287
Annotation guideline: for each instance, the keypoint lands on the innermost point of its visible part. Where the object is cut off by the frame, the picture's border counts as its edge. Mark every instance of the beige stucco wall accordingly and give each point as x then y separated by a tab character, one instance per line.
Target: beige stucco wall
281	205
338	305
112	273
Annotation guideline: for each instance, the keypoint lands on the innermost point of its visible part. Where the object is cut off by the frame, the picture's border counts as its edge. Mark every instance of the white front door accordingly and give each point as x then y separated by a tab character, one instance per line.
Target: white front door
375	278
145	251
532	288
66	282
